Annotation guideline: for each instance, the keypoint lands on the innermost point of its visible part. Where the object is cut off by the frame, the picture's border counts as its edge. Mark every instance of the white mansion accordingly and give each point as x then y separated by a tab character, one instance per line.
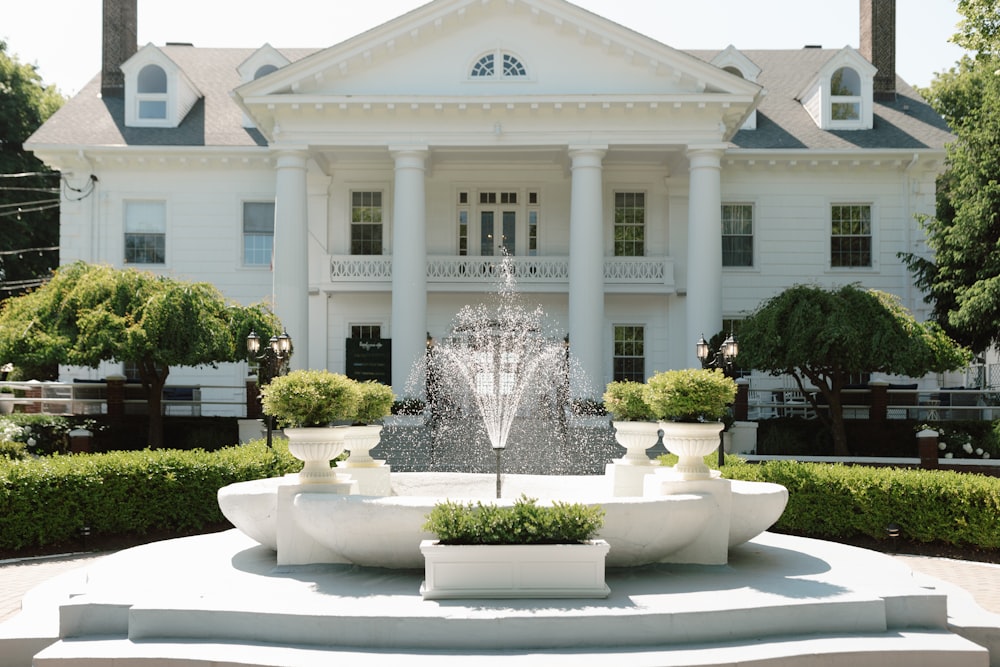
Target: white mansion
647	195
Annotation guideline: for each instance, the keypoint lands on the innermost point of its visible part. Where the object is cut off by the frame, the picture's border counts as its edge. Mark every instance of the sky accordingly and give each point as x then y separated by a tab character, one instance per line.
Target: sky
63	37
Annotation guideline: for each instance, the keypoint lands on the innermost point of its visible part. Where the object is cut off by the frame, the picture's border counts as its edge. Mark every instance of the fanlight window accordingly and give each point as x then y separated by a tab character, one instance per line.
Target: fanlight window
486	66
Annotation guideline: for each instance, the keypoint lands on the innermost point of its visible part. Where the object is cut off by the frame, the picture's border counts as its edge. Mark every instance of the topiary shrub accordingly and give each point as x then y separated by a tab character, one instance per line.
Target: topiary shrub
690	395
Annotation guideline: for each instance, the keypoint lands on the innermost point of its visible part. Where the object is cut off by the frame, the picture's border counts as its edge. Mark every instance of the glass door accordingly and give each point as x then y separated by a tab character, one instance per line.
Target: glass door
497	231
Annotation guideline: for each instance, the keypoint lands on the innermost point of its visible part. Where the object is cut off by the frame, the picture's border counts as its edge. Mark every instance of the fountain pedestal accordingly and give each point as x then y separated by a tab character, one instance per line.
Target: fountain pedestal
711	546
372	478
627	477
295	545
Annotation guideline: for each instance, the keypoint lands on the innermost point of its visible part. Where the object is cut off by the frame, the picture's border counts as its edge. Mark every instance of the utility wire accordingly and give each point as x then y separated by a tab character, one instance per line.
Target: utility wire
24	250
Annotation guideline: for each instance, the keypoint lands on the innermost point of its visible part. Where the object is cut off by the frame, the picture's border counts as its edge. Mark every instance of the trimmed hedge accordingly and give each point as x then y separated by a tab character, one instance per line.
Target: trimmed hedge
47	501
840	501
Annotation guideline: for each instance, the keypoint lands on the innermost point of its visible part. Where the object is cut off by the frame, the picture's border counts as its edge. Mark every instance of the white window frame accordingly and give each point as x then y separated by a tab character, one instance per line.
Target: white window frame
872	236
645	219
752	235
499	67
244	234
132	225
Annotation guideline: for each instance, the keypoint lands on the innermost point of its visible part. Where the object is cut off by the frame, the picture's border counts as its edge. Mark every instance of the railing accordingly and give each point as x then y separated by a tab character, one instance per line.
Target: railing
621	274
925	405
91	398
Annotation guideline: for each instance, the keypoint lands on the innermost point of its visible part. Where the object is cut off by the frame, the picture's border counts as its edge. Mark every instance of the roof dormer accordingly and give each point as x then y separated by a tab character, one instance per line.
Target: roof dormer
157	92
733	61
840	95
262	62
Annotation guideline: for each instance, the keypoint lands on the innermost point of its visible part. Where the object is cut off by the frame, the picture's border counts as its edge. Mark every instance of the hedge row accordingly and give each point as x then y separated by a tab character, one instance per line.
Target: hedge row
839	501
47	501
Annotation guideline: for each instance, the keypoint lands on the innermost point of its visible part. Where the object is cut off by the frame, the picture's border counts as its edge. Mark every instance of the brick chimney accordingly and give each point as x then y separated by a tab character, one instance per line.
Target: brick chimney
878	44
119	43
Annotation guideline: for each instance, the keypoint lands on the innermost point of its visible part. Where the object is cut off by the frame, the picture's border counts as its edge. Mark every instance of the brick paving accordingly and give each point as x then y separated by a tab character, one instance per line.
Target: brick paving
982	580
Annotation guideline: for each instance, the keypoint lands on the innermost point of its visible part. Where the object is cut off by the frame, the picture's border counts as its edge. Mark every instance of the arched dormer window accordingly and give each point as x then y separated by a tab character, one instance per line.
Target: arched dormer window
264	71
845	95
151	93
157	91
498	65
265	60
840	96
735	62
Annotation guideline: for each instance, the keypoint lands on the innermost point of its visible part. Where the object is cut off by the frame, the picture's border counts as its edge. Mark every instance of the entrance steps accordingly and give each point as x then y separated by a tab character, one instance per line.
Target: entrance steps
221	600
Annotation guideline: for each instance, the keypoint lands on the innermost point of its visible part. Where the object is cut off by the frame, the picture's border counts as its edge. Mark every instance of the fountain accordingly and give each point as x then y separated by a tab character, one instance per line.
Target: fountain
314	575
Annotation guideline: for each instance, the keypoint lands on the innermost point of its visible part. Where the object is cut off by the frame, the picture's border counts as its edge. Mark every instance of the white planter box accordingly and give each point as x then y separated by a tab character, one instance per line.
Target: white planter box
514	570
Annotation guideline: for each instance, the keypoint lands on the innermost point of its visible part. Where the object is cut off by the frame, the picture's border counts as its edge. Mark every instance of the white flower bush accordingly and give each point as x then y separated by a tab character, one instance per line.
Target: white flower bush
954	443
10	431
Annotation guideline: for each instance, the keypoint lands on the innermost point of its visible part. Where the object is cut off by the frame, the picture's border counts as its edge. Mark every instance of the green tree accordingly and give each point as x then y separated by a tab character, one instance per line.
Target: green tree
821	337
29	192
962	277
92	313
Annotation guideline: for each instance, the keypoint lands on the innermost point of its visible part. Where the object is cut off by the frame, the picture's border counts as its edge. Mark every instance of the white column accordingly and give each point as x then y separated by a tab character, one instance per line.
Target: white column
409	266
704	251
586	272
291	257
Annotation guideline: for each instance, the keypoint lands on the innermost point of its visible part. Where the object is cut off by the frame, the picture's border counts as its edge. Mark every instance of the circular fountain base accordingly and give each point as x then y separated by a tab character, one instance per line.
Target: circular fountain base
680	521
222	599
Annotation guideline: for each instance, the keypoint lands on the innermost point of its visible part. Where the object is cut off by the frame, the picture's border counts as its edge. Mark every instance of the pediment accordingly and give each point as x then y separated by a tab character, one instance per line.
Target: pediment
433	50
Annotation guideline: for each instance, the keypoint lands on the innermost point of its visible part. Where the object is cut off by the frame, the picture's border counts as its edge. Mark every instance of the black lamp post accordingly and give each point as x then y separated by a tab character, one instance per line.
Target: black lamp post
271	362
722	358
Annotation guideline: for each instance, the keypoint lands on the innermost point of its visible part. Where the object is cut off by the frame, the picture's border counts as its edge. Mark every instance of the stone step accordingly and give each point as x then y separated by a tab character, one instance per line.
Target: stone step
911	648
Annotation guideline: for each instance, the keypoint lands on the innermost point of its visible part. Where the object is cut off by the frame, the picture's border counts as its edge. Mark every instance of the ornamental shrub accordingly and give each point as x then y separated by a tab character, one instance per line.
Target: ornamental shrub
838	501
47	501
690	395
374	402
524	522
627	401
310	398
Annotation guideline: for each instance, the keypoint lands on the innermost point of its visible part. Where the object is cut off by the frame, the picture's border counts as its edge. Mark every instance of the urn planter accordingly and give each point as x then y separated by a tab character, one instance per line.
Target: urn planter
453	571
636	438
359	441
691	442
316	447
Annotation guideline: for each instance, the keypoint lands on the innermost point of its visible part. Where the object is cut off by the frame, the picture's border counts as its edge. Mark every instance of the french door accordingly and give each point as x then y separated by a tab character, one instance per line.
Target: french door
497	231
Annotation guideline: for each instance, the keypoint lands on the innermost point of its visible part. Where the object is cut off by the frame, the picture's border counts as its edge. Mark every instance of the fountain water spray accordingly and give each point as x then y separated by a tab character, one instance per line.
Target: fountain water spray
495	352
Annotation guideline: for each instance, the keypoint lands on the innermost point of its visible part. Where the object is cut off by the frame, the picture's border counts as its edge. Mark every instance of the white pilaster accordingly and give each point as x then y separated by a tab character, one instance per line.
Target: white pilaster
586	271
409	265
291	258
704	251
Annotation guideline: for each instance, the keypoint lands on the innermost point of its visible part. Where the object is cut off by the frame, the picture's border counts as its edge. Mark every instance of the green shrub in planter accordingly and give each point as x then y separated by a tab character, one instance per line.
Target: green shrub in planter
374	402
626	401
524	522
310	398
690	395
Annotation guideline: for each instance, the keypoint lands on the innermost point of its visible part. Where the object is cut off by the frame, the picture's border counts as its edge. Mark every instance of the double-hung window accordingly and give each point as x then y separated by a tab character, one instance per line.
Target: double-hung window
366	223
850	235
629	362
145	232
258	233
737	235
630	224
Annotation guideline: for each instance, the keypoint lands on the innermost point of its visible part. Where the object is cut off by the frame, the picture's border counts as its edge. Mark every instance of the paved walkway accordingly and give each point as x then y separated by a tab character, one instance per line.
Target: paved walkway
982	580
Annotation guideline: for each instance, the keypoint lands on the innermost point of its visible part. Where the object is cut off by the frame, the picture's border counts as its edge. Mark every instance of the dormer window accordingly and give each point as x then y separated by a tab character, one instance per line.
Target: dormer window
486	66
265	60
151	92
733	61
845	95
264	71
157	92
840	97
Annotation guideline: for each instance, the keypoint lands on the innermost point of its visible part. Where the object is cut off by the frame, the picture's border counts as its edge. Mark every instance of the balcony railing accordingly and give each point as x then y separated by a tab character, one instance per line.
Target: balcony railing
650	275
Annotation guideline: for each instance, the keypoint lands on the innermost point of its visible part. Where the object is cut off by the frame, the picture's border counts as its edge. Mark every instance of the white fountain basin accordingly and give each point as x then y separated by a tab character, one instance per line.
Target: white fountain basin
385	531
